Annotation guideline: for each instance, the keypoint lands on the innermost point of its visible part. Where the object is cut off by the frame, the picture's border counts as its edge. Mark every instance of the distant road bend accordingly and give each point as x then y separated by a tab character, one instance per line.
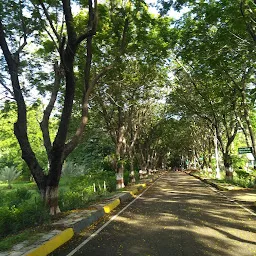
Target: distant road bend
180	216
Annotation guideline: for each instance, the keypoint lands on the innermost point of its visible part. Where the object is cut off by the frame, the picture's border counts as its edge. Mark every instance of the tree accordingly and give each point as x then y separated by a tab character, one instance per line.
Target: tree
66	47
136	55
217	63
10	152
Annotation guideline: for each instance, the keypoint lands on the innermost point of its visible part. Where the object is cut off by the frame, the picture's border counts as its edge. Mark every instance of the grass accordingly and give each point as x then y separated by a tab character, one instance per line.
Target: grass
30	236
21	184
236	182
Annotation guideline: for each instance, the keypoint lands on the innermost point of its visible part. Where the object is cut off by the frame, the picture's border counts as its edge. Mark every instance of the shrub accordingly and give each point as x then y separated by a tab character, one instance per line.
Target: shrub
31	214
7	221
16	197
9	174
126	177
111	184
242	174
2	198
72	200
78	184
28	214
68	170
82	189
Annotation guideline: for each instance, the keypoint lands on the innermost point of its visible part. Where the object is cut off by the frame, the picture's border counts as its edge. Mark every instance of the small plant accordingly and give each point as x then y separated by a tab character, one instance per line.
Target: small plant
9	174
242	174
71	170
68	169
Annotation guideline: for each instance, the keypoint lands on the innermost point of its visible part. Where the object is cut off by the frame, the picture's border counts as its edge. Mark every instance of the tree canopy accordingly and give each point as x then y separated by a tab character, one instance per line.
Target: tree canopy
112	85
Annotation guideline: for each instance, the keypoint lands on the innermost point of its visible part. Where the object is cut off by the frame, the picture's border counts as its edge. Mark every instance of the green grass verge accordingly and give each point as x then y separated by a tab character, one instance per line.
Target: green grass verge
29	236
17	185
236	182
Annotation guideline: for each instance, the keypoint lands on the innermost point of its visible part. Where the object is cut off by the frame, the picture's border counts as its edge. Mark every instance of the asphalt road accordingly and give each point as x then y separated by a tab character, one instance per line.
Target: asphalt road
178	215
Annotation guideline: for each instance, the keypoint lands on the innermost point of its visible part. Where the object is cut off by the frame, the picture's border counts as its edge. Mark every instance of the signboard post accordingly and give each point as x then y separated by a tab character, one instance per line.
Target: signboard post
244	150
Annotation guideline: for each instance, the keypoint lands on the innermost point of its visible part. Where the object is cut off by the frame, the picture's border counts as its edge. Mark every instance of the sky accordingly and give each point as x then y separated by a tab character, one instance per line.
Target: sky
75	9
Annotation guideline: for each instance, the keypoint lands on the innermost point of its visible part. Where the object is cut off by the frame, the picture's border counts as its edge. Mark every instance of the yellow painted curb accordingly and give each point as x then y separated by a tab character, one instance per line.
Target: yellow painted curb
109	207
134	192
53	244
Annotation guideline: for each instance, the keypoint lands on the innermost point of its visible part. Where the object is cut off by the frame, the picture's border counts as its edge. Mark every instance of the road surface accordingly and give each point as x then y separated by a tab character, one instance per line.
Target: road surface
178	215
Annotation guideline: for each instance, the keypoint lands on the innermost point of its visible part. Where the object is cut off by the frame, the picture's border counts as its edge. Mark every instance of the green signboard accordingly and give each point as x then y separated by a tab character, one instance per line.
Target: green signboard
245	150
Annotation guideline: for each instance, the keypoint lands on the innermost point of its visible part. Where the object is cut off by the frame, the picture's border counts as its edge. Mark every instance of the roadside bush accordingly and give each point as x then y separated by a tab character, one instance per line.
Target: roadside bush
111	184
7	221
87	188
2	198
238	161
79	184
32	214
16	197
23	194
242	179
242	174
126	177
28	214
137	175
72	170
71	200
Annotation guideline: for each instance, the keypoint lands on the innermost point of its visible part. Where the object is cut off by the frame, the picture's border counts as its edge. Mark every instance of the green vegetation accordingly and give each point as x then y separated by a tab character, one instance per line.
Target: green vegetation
21	207
9	174
29	235
242	179
96	94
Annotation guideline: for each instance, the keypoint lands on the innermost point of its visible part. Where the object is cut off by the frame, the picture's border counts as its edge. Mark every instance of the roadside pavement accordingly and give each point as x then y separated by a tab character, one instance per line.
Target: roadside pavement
64	229
244	196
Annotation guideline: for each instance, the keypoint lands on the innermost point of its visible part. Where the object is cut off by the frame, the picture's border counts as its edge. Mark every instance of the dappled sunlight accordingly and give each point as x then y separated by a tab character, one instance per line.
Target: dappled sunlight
179	216
202	201
129	221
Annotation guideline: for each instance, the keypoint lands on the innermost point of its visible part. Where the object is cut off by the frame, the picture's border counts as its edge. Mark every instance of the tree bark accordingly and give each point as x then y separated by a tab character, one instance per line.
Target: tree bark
119	158
48	184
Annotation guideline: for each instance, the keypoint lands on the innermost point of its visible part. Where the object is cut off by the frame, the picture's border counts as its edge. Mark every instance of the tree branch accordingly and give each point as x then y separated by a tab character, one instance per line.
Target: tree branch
249	26
69	147
49	20
20	127
92	24
69	21
47	112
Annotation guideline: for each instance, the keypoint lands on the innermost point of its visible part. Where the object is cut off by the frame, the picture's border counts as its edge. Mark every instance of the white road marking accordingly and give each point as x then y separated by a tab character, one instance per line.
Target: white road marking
231	200
107	223
115	216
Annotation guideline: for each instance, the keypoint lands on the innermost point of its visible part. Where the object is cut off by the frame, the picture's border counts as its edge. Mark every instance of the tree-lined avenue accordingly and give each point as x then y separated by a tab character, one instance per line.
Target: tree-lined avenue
177	215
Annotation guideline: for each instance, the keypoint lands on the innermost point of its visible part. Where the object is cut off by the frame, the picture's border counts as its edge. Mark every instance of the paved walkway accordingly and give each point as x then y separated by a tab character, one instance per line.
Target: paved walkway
181	216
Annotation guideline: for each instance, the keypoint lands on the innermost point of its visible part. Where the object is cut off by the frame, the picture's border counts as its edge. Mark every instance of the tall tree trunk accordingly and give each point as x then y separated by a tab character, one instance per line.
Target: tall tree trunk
131	160
119	159
143	162
228	166
48	184
51	198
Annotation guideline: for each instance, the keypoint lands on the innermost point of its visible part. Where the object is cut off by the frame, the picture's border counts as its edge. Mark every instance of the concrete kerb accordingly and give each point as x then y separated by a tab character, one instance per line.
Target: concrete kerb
111	206
52	244
219	187
88	221
63	237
